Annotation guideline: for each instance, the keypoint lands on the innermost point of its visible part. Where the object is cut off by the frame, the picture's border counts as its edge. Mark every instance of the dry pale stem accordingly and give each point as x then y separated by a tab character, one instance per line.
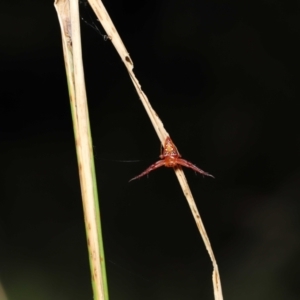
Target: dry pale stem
113	35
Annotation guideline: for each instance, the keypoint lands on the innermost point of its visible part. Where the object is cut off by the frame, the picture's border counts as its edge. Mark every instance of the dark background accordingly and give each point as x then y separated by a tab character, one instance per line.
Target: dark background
223	77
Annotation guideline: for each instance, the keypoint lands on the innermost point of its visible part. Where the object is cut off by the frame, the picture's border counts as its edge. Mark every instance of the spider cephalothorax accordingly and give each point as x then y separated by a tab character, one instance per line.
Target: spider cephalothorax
171	158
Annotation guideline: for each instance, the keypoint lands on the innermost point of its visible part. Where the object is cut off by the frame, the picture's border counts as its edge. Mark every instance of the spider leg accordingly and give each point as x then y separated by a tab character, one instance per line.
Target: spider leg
187	164
156	165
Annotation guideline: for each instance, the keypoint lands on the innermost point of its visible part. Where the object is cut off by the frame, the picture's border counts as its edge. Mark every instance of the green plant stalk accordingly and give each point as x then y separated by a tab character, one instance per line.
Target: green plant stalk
68	15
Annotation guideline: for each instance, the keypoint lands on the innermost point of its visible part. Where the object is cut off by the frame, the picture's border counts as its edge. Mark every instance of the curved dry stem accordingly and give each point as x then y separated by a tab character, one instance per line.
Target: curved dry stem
113	35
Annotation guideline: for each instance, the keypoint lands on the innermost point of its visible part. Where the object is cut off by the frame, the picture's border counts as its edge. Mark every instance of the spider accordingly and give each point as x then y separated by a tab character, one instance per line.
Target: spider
171	158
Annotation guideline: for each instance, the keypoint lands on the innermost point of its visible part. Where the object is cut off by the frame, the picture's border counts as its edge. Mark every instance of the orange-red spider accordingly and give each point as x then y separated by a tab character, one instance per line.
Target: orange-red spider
171	158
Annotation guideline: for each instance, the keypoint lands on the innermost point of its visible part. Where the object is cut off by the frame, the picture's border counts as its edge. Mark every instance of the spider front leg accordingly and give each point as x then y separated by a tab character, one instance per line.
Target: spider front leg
158	164
187	164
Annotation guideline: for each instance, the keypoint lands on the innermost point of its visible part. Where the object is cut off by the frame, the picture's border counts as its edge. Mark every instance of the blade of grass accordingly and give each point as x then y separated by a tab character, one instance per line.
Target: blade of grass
2	293
113	35
68	15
